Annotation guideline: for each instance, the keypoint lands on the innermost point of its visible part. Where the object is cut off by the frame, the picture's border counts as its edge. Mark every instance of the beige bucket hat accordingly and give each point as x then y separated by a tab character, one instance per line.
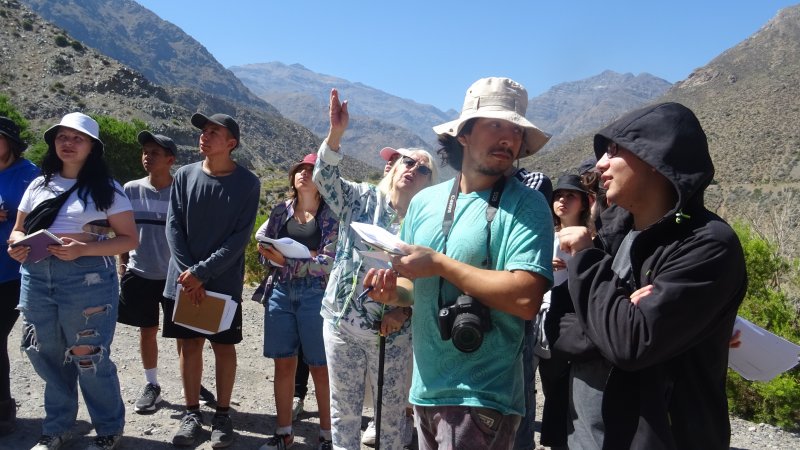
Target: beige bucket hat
498	98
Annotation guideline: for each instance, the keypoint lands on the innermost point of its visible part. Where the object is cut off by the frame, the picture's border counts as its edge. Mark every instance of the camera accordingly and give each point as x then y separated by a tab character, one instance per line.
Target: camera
465	321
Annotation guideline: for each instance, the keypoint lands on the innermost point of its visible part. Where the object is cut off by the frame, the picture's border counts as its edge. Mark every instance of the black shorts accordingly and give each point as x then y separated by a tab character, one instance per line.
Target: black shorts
232	335
139	300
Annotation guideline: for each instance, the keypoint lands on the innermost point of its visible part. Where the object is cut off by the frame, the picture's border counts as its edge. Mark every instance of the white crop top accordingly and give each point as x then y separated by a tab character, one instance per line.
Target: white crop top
72	216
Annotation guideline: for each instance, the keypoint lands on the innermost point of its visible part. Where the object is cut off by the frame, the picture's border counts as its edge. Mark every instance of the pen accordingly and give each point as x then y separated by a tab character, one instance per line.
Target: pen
364	294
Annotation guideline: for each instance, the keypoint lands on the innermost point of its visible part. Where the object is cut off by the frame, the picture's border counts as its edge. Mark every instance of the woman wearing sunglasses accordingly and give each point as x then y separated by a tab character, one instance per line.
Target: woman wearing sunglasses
351	330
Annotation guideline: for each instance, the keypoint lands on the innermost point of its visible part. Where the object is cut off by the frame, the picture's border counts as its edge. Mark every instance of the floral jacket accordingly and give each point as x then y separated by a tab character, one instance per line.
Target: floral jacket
351	202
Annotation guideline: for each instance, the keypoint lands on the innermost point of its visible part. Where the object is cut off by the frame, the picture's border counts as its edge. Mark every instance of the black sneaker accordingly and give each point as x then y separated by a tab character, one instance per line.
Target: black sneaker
207	397
105	442
46	442
8	416
221	431
278	442
189	430
325	444
149	398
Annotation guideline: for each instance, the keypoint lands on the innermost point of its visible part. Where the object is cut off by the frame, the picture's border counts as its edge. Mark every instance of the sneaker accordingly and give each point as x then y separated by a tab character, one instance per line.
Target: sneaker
297	407
407	431
189	429
368	438
207	397
325	444
278	442
150	396
105	442
46	442
221	431
8	416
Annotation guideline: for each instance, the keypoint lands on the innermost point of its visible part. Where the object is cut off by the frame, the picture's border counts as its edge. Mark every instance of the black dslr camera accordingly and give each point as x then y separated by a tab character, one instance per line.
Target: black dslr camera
465	322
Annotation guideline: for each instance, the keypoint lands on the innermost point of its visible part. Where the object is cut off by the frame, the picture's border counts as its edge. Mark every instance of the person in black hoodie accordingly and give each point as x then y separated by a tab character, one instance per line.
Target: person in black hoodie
658	298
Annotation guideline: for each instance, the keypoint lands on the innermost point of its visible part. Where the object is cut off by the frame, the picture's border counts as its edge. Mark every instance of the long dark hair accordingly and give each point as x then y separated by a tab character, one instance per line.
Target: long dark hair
451	151
585	218
94	178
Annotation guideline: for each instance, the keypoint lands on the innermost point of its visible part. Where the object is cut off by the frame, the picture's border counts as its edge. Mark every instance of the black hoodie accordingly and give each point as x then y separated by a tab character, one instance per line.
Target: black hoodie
669	352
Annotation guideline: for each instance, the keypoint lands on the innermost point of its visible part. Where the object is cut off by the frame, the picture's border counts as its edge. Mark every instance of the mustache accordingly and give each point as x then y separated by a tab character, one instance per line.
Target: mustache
506	150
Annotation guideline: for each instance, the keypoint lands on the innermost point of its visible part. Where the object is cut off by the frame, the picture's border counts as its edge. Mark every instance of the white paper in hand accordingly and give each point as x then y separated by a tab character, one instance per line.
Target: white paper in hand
287	247
762	355
378	237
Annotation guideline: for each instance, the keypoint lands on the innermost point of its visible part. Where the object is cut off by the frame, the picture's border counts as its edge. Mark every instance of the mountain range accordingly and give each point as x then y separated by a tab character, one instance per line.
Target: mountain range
131	64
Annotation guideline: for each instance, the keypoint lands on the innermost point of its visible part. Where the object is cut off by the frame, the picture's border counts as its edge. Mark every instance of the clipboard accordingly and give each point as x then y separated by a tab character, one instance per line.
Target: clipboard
214	314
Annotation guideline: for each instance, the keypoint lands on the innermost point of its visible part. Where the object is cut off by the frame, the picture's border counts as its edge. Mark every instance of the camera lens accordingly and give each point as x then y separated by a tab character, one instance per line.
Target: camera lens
467	333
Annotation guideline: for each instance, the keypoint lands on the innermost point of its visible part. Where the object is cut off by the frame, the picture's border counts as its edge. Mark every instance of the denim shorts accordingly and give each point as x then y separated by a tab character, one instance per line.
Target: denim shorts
292	318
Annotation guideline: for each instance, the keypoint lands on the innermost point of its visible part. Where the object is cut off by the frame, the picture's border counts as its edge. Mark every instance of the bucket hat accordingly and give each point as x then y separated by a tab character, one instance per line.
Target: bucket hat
498	98
78	122
10	129
223	120
163	141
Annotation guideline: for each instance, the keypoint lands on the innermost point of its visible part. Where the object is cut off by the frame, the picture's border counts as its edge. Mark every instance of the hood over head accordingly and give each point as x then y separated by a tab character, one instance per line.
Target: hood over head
668	137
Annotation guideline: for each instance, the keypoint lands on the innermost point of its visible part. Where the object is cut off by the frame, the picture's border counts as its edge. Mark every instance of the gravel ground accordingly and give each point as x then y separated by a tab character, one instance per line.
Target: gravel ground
253	400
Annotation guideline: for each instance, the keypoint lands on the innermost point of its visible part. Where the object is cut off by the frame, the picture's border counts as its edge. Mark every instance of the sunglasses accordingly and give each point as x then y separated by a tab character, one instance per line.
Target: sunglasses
421	168
612	150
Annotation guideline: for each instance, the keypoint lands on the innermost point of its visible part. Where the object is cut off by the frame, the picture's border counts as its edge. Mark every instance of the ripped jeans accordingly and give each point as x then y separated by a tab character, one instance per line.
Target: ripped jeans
69	313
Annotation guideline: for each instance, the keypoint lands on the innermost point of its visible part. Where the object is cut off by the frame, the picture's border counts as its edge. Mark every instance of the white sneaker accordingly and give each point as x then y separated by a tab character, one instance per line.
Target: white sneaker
297	407
368	438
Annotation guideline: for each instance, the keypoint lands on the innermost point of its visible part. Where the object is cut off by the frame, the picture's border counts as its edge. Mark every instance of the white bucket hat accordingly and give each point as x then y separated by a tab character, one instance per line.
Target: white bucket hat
76	121
498	98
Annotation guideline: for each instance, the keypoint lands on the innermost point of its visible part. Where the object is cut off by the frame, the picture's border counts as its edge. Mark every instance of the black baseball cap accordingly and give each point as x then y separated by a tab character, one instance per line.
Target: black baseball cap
10	129
163	141
223	120
570	183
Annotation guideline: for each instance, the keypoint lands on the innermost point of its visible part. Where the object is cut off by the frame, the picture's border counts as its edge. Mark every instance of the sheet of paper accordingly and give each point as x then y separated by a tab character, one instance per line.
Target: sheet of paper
762	355
288	247
378	237
209	312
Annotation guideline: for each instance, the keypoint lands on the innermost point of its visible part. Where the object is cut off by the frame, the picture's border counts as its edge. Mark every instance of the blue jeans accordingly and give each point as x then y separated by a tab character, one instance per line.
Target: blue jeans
68	306
292	318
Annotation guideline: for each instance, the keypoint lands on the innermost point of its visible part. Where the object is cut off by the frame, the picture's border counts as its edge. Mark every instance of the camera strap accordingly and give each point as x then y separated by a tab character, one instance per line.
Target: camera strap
449	217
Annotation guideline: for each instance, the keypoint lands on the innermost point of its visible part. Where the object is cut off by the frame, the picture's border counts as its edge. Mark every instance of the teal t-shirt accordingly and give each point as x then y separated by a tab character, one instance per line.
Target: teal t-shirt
522	239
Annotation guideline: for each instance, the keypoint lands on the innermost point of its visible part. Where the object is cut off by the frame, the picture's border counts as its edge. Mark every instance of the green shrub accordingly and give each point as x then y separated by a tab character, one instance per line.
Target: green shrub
62	40
253	269
122	152
77	46
27	25
766	304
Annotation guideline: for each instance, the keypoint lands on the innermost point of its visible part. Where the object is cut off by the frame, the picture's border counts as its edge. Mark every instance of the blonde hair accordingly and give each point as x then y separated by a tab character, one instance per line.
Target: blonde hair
385	186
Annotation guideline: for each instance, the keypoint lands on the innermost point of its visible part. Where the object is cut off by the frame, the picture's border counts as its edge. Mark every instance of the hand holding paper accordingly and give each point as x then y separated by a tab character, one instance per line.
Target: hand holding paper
379	238
761	356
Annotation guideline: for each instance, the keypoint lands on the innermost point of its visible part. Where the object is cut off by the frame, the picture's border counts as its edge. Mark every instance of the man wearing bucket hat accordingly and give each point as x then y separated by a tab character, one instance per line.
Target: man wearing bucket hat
16	173
482	240
143	271
208	254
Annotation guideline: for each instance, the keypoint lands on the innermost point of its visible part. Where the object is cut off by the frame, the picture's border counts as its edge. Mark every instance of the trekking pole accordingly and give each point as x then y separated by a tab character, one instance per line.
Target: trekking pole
379	401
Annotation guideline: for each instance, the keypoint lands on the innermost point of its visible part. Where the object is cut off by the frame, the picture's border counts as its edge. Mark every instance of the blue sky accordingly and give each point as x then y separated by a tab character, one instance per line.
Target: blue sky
431	51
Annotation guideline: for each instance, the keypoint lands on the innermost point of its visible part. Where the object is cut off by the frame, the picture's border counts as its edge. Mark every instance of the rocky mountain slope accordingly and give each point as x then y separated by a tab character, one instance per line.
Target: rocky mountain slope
378	119
46	73
748	100
135	36
570	109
